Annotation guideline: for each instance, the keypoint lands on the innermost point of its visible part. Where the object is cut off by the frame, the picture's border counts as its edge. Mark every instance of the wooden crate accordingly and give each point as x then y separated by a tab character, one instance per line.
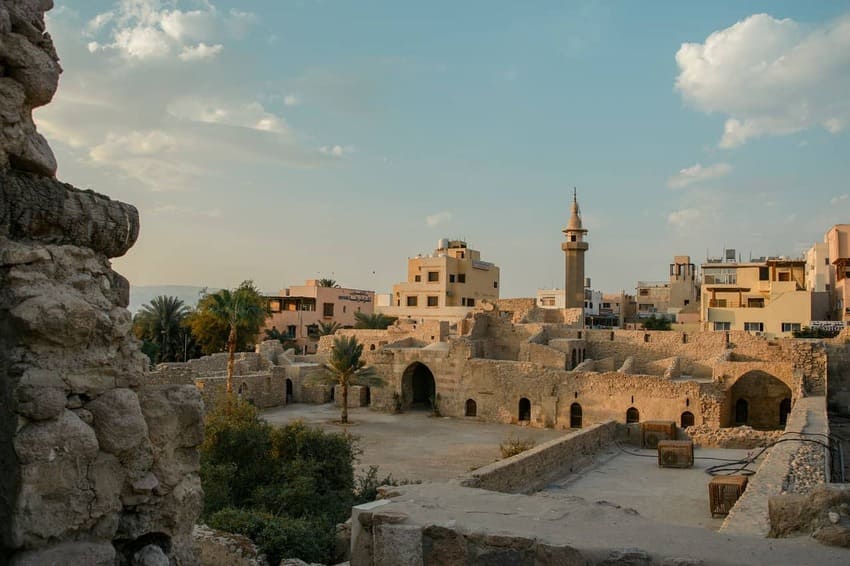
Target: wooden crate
675	454
652	432
723	493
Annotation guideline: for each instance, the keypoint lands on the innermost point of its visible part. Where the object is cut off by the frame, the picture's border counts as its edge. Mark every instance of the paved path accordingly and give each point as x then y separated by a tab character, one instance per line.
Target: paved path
413	445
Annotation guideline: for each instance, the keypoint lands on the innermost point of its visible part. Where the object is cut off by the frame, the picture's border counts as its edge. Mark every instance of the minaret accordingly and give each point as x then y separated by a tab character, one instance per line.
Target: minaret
574	249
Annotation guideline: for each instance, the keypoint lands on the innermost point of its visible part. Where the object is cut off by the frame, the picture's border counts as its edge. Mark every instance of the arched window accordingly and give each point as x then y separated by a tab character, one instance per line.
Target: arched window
575	415
632	415
471	408
687	419
524	409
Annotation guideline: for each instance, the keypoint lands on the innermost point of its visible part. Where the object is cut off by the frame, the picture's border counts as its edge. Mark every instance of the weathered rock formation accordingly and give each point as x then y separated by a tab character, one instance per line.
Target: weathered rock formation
96	467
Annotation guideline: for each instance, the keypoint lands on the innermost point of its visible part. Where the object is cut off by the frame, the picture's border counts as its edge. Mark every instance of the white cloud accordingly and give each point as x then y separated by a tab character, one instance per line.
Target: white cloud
291	100
143	30
697	173
682	218
336	150
200	51
133	143
770	77
838	199
213	111
438	218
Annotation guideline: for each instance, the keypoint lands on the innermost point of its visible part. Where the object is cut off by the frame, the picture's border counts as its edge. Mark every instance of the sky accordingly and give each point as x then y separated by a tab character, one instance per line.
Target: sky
281	141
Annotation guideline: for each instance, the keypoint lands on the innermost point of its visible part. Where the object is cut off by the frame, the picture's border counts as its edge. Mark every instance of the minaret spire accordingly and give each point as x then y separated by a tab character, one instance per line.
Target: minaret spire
574	248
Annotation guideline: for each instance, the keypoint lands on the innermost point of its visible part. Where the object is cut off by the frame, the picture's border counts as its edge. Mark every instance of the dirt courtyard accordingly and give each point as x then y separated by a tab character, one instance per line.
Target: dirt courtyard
414	445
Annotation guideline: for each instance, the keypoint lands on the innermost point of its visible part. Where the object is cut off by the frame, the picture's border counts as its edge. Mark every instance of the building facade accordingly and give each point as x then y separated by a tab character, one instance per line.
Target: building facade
445	285
767	296
837	240
668	298
297	310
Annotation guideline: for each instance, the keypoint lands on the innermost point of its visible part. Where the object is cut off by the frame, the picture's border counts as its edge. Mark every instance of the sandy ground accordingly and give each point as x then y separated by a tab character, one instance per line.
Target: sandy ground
414	445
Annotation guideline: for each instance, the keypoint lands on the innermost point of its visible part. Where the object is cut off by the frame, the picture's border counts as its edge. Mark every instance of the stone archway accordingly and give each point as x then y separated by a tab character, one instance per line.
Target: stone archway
758	399
687	419
418	387
471	408
575	415
524	410
632	415
289	395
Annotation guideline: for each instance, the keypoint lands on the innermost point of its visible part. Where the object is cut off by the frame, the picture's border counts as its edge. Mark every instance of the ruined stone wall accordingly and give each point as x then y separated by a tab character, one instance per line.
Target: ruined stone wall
97	464
838	395
533	469
264	390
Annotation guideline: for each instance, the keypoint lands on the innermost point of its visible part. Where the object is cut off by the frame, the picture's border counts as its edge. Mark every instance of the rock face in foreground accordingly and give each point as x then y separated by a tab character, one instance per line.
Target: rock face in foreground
96	467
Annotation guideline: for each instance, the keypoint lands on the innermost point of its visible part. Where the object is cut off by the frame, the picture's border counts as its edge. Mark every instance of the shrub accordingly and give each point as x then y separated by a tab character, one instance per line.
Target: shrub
513	445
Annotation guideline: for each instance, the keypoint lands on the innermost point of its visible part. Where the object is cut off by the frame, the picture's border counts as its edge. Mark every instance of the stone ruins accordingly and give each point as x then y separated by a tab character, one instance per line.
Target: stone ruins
98	466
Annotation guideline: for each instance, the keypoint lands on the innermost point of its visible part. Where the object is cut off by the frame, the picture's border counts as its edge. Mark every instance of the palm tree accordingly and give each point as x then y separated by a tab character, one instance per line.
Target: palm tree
327	328
159	323
326	282
346	368
375	321
236	308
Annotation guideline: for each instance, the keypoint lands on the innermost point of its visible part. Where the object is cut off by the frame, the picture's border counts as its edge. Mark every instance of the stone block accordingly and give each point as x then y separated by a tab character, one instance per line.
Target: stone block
397	545
118	421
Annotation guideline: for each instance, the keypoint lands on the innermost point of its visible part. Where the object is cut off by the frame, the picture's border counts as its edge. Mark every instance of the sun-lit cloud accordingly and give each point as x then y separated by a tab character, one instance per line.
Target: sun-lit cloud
697	174
682	218
336	150
770	77
291	100
838	199
145	30
214	111
438	218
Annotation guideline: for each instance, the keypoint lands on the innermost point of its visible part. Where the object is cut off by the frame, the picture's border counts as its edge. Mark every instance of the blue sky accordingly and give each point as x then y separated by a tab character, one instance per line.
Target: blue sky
282	141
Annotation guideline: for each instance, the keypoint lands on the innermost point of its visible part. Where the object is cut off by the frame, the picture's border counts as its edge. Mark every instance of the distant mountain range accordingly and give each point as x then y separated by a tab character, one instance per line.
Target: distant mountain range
143	294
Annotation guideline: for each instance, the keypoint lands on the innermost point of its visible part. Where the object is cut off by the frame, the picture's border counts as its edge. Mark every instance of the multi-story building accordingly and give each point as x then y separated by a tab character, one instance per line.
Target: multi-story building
766	295
837	240
444	285
297	310
668	298
556	299
616	309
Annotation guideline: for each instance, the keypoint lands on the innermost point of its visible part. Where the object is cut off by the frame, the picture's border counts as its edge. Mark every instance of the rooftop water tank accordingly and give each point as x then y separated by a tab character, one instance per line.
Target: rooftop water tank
443	244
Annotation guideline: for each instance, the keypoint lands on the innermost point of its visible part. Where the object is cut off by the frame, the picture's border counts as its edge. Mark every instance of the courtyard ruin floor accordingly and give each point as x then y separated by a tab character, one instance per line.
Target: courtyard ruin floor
414	445
631	478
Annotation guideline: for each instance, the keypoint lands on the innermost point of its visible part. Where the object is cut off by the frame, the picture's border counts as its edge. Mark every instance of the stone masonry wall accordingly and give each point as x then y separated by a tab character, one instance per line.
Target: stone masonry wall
96	464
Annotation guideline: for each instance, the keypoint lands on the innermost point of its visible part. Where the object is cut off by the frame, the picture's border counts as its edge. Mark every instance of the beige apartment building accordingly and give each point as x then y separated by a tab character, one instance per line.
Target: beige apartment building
297	310
669	298
445	285
837	240
767	296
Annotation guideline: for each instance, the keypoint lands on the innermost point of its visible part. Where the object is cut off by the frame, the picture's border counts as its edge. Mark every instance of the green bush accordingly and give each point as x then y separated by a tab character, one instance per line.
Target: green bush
807	332
514	445
279	537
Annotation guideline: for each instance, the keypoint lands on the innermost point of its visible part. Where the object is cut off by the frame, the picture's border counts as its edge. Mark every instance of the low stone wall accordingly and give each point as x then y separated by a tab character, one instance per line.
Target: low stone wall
358	396
739	437
264	390
533	469
219	548
775	475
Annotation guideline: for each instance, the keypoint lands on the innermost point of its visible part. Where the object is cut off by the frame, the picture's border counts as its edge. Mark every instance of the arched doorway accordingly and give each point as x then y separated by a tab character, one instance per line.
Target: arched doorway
524	410
575	359
418	388
471	408
368	395
784	411
742	412
289	395
632	415
575	415
687	419
754	399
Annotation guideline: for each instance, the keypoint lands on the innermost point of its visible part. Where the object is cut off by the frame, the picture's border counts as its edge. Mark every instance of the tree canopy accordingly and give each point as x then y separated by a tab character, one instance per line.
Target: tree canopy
159	325
346	367
211	331
375	321
653	323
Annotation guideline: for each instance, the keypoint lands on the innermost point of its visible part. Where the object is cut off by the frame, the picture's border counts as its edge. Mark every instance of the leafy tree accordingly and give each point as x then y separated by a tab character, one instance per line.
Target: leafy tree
653	323
274	334
159	324
346	368
229	318
326	282
327	328
376	321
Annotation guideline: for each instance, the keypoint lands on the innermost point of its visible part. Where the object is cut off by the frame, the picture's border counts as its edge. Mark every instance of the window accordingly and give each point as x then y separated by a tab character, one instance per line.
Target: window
463	301
764	274
290	331
451	277
343	309
755	303
433	276
785	276
470	302
495	284
644	292
790	326
754	326
572	237
461	277
722	326
417	278
327	309
433	301
687	302
826	261
411	301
